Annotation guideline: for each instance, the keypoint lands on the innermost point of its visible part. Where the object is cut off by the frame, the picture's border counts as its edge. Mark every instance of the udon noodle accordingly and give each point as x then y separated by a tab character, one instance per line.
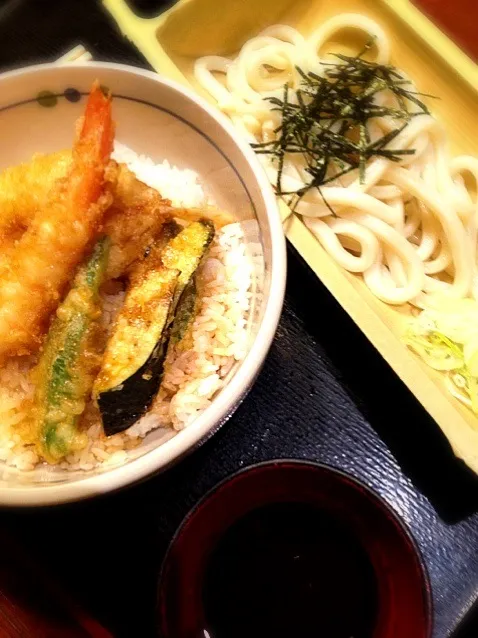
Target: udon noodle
410	228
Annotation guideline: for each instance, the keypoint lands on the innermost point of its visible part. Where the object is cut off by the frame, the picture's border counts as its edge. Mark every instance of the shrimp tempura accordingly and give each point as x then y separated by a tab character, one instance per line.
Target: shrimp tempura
24	190
35	275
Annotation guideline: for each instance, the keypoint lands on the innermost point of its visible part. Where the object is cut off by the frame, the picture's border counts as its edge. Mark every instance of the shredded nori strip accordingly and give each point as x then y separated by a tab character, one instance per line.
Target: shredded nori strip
327	124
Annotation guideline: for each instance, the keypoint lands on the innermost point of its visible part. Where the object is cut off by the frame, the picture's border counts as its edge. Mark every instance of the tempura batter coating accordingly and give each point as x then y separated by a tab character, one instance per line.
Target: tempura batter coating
45	258
133	221
24	190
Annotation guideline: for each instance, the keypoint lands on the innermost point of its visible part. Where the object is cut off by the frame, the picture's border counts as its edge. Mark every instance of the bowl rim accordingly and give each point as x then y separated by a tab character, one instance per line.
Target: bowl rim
277	464
185	441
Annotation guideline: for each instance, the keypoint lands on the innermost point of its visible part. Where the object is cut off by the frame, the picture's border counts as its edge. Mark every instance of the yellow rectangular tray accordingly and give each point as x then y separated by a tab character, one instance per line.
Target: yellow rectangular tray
192	28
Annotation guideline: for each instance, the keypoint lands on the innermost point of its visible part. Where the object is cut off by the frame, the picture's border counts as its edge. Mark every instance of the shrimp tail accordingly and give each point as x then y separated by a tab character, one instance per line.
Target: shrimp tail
93	147
97	132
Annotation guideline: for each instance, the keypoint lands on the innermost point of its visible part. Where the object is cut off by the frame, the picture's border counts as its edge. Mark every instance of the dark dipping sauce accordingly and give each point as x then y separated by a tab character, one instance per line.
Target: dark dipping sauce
289	570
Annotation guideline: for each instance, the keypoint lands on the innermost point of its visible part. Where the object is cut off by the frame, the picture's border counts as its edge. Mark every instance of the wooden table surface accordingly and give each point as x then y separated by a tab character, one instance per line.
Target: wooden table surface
457	18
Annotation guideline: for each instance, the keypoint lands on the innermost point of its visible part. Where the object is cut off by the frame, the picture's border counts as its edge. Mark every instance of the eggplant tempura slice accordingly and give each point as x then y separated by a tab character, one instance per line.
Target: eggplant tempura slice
133	363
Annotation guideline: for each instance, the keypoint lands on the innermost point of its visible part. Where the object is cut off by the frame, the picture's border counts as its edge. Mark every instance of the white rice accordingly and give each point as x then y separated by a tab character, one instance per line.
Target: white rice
192	378
181	186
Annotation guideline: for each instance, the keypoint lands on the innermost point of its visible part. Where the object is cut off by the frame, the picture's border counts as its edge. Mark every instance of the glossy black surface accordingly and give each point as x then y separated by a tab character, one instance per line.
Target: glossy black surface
289	569
324	394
